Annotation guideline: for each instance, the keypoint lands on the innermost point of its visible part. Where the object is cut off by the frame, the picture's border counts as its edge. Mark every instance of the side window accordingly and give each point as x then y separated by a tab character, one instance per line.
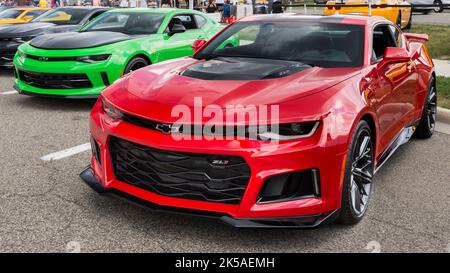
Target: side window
95	15
382	38
187	21
201	21
35	13
396	34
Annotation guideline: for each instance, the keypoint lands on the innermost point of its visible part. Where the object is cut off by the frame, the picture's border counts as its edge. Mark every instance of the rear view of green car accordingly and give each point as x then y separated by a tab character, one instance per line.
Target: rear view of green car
81	64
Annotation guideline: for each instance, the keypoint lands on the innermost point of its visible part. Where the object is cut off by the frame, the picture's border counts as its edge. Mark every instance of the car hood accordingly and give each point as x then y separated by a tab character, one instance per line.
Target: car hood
162	86
78	40
33	29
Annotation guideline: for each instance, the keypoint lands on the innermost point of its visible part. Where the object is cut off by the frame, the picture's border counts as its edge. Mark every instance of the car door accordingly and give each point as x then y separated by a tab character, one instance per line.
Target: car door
391	87
179	44
404	78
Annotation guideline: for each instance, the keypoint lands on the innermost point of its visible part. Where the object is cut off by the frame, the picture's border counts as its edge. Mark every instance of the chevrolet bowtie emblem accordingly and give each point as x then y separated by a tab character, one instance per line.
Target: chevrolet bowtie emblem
43	59
168	128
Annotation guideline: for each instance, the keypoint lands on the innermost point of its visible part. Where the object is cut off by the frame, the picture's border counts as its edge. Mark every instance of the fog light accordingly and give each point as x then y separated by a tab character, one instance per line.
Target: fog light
291	186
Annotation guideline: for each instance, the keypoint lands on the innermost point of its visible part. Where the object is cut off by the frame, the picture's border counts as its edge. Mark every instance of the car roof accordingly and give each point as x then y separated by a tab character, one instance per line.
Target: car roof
28	8
337	18
83	7
159	10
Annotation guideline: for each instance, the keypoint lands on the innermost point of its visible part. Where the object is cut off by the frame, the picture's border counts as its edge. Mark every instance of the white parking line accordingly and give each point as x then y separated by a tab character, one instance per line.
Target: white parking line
67	152
8	92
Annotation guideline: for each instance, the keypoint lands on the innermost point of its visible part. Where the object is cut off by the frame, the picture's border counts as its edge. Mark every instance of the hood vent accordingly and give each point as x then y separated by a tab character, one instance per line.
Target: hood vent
231	68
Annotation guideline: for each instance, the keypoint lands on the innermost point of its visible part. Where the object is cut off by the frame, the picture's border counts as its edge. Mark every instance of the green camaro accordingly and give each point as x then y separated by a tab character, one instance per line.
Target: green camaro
81	64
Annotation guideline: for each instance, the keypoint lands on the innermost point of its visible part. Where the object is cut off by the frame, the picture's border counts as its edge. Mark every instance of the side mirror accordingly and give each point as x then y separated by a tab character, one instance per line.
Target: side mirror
395	55
197	44
177	28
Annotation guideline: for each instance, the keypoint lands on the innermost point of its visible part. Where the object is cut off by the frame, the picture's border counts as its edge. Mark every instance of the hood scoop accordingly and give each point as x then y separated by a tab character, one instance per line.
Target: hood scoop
231	68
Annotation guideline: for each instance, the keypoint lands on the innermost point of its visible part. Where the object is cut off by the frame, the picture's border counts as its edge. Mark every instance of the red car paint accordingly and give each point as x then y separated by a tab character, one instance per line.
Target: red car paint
391	95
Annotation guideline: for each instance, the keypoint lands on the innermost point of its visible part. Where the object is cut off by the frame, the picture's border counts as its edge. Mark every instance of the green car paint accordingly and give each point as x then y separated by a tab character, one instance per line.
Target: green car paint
59	65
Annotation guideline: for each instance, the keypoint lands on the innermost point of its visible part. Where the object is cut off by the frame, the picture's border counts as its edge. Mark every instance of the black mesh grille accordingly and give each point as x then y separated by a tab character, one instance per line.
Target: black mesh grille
204	177
55	81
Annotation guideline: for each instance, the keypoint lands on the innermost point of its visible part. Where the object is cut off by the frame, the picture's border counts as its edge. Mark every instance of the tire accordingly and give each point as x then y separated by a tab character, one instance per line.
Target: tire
358	177
427	123
440	6
399	19
408	26
134	64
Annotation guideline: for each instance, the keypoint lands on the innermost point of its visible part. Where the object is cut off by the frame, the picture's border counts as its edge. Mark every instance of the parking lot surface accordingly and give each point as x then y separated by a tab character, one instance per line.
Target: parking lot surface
432	18
44	206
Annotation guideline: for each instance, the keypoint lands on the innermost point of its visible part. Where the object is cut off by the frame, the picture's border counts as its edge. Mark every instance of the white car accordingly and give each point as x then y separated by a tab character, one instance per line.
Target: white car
438	5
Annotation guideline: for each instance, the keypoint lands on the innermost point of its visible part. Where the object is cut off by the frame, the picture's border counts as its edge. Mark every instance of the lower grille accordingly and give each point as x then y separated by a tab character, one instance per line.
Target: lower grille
55	81
203	177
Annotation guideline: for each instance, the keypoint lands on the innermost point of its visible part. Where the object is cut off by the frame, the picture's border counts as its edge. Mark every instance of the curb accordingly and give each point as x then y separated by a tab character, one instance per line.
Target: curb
443	115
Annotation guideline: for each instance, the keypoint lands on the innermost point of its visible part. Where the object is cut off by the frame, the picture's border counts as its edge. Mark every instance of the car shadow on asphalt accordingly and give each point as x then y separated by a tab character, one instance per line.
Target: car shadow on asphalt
6	72
209	231
56	104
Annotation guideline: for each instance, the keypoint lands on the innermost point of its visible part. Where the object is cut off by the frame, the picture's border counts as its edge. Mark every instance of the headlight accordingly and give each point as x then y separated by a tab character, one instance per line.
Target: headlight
23	55
93	58
289	131
111	111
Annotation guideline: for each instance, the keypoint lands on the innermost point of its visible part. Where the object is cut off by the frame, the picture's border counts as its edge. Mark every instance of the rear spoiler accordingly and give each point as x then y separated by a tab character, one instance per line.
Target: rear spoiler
417	37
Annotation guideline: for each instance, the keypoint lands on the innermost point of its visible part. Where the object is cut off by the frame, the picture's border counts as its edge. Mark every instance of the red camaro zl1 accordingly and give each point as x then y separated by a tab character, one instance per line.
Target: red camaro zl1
278	121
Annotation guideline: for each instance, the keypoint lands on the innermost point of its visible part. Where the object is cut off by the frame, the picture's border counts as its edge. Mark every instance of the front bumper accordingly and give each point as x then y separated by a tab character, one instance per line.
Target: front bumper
34	94
264	161
93	71
310	221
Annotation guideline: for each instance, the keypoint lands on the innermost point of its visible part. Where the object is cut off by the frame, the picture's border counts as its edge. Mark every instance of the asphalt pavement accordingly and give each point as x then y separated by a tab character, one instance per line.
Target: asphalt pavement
45	207
432	18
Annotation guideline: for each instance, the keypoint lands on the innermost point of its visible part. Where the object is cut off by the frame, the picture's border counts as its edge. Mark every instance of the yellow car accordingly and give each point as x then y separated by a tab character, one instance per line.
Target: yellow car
399	15
20	15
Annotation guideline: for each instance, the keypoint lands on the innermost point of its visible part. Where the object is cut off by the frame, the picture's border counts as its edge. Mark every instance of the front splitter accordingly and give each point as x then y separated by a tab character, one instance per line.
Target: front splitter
309	221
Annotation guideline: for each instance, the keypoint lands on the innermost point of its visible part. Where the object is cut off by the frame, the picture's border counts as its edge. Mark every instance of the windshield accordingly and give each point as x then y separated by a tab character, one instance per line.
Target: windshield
128	23
64	16
10	13
316	44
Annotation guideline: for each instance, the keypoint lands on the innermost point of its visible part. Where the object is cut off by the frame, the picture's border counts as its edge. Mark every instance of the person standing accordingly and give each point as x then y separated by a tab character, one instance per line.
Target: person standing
226	12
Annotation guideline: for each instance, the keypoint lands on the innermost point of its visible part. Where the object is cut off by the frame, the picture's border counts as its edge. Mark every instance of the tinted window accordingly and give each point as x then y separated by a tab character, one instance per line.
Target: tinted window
318	44
382	38
129	23
96	14
35	13
186	20
64	16
10	14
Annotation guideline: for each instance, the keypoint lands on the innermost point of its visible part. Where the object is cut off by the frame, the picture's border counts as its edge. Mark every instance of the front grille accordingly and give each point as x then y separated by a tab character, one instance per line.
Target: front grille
204	177
55	81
